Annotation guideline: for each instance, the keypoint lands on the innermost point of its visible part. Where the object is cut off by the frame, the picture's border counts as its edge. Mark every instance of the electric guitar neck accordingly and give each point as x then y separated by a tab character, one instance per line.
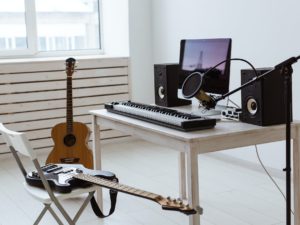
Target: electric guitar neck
166	203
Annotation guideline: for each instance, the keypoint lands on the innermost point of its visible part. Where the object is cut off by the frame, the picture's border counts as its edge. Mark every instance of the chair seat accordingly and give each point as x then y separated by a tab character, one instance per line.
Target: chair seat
42	195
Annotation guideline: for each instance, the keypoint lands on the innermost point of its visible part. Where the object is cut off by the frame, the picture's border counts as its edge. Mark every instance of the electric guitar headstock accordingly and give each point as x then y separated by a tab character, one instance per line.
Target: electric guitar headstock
177	205
70	66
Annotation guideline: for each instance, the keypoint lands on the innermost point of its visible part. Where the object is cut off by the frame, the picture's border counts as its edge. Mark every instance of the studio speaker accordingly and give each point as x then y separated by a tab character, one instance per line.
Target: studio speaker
263	102
167	79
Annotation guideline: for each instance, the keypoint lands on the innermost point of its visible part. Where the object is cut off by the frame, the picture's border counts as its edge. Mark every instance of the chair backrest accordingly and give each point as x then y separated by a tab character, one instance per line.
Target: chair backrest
18	141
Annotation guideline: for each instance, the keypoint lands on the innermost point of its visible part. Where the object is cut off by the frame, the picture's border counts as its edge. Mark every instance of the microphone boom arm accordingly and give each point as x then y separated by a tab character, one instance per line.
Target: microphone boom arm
284	66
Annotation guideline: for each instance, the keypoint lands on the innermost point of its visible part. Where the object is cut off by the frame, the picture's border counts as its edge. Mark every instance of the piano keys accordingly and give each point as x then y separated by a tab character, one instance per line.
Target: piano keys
160	115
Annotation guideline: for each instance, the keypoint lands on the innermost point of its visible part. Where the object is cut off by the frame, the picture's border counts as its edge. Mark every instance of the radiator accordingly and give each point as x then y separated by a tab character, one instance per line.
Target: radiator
33	94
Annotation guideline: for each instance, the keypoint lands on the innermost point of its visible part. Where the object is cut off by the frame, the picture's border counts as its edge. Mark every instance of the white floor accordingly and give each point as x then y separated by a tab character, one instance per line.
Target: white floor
230	194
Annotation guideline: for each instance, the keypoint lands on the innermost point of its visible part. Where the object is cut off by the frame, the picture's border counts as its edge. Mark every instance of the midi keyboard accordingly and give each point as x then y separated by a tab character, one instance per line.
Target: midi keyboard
162	116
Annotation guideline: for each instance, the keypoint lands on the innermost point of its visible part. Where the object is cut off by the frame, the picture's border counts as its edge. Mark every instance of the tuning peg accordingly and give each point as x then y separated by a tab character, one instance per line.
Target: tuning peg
180	202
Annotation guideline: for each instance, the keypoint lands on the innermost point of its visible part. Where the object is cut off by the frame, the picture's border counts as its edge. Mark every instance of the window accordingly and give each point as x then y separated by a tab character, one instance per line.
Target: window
38	27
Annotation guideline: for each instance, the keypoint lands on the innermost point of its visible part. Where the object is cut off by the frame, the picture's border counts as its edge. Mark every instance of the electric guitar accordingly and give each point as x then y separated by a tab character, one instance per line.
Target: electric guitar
70	138
64	177
59	177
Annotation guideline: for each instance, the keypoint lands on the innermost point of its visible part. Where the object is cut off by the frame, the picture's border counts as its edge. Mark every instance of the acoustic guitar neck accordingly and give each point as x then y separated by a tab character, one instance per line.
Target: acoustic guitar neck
69	71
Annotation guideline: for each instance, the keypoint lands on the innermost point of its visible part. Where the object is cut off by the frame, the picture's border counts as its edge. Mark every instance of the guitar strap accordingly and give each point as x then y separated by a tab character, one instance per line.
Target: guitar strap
113	201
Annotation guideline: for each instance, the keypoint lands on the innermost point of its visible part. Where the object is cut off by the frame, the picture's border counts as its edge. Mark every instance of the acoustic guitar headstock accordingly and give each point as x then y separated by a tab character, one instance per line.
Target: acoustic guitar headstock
70	66
176	205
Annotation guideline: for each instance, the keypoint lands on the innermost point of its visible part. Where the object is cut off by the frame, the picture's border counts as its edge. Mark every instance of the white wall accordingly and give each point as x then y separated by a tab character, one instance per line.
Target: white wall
140	32
264	32
115	27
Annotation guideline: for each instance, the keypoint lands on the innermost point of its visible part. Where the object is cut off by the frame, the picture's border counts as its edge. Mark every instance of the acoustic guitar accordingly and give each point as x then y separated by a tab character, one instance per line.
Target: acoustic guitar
70	138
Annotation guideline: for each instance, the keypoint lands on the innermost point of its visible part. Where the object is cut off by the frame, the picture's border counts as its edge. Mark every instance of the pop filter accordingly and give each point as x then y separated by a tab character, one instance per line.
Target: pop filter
191	87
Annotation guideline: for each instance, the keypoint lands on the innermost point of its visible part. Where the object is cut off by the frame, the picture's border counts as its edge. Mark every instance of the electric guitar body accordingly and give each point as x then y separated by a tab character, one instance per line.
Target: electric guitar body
70	138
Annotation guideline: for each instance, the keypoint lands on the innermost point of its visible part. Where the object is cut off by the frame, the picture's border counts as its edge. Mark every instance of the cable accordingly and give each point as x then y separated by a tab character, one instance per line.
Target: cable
269	175
236	105
215	100
263	166
233	59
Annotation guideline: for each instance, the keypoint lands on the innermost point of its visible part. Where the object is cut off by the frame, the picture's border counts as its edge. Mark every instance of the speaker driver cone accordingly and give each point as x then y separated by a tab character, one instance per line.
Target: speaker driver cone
161	92
252	106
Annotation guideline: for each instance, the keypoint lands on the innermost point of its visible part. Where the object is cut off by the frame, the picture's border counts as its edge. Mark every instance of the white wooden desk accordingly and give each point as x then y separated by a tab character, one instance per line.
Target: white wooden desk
225	135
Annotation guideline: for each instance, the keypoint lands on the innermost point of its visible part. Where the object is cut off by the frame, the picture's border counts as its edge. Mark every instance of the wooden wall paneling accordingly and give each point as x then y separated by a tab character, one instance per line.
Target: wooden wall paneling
33	95
60	94
61	85
60	103
60	75
50	64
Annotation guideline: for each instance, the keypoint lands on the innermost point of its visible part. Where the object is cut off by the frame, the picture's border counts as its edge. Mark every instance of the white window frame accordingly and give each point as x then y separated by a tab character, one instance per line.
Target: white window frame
31	30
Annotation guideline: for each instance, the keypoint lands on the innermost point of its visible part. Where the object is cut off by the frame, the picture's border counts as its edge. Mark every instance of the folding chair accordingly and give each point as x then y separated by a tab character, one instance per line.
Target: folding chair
17	142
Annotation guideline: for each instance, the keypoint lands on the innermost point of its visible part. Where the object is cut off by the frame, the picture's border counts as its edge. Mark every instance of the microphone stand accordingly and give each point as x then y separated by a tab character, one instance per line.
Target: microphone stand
285	69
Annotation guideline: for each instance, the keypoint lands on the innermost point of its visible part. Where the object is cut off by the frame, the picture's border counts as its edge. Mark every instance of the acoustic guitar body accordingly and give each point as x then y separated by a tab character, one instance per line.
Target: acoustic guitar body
71	147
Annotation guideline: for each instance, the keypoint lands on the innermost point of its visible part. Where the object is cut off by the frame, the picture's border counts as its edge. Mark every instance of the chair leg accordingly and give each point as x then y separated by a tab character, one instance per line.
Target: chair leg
83	206
55	216
41	214
65	214
47	207
63	211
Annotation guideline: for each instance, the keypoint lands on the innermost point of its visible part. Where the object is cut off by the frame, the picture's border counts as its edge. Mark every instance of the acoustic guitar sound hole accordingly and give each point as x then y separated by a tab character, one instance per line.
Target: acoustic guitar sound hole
70	140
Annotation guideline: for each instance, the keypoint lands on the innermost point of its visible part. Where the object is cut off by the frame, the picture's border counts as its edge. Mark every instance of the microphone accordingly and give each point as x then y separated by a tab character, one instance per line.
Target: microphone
192	87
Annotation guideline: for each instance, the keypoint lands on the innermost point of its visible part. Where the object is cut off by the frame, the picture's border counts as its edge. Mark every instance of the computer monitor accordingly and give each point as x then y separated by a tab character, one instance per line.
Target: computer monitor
199	55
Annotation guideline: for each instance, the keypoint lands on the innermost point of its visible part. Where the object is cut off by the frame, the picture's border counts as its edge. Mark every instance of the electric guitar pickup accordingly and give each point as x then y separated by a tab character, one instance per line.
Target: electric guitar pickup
60	177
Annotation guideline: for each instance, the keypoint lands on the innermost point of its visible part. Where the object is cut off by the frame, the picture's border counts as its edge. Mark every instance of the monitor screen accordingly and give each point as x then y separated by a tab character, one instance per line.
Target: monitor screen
202	54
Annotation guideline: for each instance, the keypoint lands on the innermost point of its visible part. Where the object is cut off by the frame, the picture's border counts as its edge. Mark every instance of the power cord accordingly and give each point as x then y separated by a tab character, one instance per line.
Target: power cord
236	105
261	163
269	175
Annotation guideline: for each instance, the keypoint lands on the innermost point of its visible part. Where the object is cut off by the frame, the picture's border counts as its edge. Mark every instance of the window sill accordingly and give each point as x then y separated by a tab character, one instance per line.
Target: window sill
57	58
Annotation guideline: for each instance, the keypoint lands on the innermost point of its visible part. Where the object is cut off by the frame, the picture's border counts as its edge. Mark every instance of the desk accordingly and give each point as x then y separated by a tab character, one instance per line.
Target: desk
225	135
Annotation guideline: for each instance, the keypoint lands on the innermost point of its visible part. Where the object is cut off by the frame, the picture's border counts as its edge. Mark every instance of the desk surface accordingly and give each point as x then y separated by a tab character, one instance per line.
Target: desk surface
224	131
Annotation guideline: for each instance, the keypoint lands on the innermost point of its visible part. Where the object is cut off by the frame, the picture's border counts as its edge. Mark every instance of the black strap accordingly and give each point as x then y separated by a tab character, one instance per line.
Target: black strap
113	201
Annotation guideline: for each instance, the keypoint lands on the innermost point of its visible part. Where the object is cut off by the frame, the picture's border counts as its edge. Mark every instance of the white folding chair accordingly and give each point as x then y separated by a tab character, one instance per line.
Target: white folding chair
17	142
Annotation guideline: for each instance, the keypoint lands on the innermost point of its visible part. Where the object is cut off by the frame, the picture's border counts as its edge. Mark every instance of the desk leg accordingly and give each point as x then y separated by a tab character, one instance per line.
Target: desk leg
296	172
182	175
193	183
97	156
